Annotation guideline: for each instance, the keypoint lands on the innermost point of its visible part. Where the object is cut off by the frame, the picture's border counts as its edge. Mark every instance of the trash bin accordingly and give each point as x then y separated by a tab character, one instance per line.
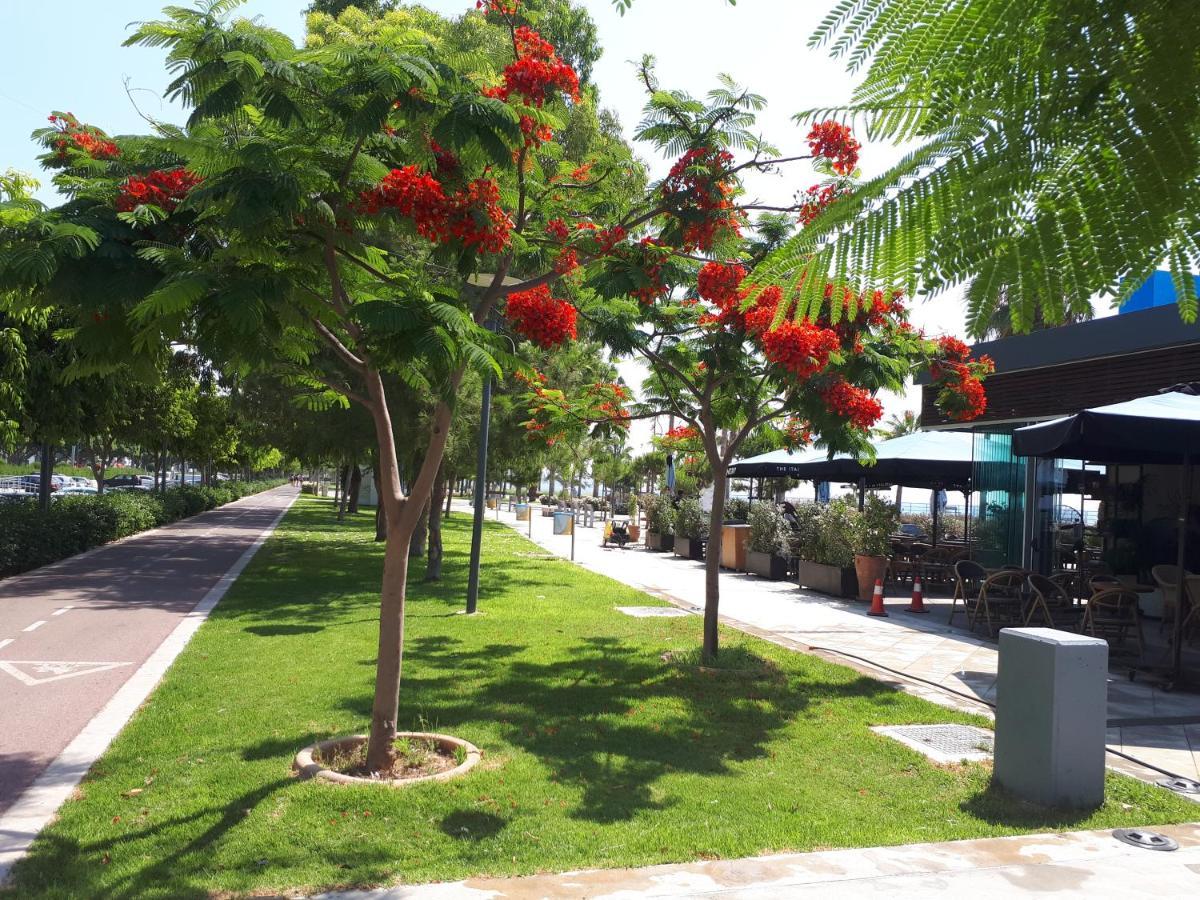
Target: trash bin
522	512
564	522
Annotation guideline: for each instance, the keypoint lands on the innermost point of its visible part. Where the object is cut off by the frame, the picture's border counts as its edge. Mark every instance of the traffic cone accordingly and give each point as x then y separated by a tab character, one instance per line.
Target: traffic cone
877	600
918	602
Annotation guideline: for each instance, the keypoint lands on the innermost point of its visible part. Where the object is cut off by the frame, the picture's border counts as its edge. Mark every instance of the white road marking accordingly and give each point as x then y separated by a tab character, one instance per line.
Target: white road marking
4	643
59	612
35	626
55	669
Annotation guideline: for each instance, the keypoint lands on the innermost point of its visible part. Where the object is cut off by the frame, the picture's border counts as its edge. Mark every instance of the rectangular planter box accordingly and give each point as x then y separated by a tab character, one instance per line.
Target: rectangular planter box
689	548
840	582
734	537
768	565
660	542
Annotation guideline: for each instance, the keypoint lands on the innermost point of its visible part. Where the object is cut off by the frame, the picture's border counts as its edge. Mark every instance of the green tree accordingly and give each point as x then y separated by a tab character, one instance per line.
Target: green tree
900	424
1057	157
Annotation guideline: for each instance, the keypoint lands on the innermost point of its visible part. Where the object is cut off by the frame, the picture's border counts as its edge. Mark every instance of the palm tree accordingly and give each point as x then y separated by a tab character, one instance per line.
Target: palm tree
898	425
1058	154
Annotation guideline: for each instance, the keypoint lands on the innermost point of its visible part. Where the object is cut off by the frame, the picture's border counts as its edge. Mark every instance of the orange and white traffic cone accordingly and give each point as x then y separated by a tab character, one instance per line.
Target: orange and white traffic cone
918	602
877	600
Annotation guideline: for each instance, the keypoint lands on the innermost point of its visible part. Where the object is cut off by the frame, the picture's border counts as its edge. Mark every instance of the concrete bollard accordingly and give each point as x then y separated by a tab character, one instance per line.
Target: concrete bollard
1051	716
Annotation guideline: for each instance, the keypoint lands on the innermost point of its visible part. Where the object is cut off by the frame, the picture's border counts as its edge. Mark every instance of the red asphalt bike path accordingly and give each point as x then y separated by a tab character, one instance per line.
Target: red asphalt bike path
73	633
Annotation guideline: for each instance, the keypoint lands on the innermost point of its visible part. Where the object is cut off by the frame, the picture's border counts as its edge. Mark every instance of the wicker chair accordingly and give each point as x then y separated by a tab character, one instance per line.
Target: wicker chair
1052	604
969	577
1111	614
1167	580
1000	600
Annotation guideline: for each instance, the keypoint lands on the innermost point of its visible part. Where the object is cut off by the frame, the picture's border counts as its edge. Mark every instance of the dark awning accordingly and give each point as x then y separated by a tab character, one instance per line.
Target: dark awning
925	459
1155	429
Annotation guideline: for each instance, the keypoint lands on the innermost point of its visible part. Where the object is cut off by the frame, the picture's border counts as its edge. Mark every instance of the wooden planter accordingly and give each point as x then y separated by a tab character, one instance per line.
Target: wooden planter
660	542
635	533
768	565
868	570
835	580
689	548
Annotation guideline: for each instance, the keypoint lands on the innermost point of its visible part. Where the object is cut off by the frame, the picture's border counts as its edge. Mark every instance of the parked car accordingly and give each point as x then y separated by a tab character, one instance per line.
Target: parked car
127	482
81	482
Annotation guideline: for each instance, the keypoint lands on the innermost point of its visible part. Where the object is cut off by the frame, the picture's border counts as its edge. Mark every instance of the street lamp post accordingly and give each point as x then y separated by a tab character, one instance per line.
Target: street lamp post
475	284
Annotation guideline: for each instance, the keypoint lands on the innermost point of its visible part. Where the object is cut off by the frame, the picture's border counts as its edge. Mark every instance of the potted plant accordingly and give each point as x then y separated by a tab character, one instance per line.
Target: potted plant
737	511
827	562
635	527
660	524
873	530
766	549
690	526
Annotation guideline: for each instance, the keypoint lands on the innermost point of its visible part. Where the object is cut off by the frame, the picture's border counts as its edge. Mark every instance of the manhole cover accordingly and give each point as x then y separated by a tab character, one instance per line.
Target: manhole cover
943	743
1147	840
1180	785
652	612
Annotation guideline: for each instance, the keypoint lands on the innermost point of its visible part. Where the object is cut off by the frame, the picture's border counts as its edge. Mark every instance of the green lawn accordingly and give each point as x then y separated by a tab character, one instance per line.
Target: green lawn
597	751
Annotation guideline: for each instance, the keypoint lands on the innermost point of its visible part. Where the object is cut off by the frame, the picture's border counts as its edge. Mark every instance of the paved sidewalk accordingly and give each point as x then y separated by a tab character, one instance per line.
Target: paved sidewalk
921	647
85	640
1085	864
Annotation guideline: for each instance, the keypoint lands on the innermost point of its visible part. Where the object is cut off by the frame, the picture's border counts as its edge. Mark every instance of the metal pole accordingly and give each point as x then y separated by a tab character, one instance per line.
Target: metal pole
937	490
485	415
572	537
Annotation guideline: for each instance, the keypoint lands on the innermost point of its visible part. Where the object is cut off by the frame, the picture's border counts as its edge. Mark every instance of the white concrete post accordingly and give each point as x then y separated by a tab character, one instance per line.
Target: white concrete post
1051	716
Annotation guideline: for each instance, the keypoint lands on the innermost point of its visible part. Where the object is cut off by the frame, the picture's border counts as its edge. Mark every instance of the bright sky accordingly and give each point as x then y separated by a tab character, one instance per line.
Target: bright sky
761	43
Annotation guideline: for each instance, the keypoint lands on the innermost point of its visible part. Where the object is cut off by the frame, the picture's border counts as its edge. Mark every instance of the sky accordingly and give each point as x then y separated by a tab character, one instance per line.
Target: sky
761	43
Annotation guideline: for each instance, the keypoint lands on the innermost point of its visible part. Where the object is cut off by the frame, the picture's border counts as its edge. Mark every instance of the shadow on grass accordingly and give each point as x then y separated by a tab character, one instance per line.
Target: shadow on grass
998	806
278	630
466	825
53	853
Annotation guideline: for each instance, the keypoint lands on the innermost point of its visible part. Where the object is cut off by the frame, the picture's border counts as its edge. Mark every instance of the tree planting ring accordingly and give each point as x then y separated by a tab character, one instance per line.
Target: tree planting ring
306	764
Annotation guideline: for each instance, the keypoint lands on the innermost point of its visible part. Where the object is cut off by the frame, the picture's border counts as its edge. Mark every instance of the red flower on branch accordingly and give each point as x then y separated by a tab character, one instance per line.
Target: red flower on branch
817	198
541	318
959	379
165	189
854	404
796	434
800	348
698	190
75	135
536	74
833	141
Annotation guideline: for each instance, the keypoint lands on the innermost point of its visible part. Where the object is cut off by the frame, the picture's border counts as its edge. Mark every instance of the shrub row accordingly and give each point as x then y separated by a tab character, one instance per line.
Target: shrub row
30	538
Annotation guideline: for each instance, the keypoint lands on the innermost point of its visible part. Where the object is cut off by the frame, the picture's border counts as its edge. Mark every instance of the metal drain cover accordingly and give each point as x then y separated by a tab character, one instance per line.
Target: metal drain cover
1147	840
1180	785
943	743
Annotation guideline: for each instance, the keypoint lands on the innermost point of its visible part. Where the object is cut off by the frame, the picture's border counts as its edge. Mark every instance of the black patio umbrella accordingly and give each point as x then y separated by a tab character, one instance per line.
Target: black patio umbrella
1163	428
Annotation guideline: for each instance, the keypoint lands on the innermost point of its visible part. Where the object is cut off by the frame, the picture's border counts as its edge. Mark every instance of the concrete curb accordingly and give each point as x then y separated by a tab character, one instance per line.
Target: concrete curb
20	824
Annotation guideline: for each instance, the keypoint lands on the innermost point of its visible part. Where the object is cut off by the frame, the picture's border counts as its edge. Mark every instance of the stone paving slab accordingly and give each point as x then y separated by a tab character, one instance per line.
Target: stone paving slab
1085	864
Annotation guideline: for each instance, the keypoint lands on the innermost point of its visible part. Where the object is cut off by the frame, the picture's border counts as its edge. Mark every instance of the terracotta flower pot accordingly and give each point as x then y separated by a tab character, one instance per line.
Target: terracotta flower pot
869	570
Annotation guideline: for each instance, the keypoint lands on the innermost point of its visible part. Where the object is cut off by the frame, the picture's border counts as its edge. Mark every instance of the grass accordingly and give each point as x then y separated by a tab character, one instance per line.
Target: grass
598	752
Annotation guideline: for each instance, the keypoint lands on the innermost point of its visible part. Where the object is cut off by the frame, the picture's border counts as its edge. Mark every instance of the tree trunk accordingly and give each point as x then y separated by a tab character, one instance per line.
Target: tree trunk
356	475
712	564
551	483
449	494
47	470
420	534
343	478
433	565
381	751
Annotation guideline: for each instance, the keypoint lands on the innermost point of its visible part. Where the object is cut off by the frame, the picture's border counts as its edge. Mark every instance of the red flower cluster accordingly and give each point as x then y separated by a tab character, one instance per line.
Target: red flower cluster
608	400
541	318
679	436
558	230
413	194
698	190
90	140
165	189
566	262
477	219
960	379
758	318
582	173
833	141
651	265
800	348
796	434
499	7
536	73
719	284
536	377
851	403
445	161
473	215
816	198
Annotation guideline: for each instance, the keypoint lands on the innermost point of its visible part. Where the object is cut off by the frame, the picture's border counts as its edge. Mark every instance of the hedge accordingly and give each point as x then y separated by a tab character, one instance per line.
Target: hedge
30	538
